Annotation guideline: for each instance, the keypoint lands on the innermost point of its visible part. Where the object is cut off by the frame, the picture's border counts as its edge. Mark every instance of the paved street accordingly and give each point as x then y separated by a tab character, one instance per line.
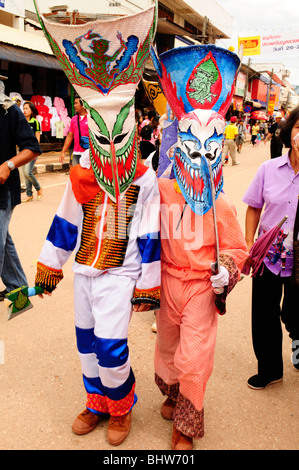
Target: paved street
41	389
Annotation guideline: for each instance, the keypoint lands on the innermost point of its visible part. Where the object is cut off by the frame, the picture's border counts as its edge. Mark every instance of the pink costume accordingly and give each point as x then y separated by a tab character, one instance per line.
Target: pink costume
199	95
187	320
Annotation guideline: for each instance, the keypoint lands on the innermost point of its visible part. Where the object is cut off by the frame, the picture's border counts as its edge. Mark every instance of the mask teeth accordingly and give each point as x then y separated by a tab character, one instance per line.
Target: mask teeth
195	174
114	169
104	161
218	178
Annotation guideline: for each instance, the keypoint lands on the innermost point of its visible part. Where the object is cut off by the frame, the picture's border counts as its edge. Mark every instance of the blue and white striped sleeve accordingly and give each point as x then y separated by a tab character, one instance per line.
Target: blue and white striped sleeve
60	242
147	288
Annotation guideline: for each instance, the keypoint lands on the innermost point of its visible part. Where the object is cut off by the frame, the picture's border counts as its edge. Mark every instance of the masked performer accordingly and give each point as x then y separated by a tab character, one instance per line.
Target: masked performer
199	94
109	213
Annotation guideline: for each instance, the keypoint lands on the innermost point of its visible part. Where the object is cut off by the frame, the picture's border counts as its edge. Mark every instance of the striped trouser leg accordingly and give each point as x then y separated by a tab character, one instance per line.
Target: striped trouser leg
102	315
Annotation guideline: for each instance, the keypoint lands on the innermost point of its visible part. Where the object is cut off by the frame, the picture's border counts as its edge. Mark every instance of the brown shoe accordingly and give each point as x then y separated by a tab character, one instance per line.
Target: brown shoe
85	422
39	194
180	441
118	428
28	199
167	408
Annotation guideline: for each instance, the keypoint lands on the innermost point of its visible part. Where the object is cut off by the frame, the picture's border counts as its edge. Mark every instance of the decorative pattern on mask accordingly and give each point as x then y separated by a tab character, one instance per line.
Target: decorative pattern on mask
104	61
199	93
200	137
113	156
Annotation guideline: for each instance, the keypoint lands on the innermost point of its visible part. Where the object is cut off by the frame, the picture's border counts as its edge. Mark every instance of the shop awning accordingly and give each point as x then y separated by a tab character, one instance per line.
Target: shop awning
16	37
25	56
166	26
26	48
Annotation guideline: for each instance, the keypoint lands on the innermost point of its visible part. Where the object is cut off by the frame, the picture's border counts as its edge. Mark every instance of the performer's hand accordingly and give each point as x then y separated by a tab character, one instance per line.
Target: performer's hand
221	279
142	307
46	293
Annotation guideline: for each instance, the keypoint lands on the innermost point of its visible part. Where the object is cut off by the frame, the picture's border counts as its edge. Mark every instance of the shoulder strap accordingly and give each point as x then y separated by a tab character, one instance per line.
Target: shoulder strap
296	225
79	126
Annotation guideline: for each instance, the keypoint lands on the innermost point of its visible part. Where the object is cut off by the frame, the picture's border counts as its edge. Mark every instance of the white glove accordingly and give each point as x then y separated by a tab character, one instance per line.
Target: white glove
221	279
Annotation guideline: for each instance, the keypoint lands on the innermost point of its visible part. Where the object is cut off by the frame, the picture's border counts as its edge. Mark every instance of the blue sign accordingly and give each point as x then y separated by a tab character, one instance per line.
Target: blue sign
2	3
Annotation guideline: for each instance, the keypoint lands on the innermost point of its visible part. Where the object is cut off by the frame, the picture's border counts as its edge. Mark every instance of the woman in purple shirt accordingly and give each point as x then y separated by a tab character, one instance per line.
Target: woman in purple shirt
275	188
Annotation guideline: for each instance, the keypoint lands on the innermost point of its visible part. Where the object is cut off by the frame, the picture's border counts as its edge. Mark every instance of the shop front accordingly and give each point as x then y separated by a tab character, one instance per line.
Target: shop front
34	74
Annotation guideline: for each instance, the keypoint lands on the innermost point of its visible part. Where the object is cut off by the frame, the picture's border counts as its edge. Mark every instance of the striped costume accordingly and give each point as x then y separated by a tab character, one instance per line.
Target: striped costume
117	263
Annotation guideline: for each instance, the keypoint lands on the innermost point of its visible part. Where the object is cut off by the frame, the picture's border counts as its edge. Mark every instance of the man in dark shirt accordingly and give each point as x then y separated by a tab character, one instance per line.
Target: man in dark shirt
274	131
14	131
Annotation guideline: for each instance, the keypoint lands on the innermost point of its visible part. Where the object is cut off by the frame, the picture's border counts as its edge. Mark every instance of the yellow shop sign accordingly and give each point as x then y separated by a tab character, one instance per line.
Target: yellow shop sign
252	45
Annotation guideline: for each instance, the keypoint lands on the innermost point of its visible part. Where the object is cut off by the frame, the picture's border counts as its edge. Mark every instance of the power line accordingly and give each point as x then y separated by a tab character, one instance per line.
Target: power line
134	4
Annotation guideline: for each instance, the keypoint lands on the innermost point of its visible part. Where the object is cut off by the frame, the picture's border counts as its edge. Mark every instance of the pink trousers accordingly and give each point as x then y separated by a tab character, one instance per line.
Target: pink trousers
184	356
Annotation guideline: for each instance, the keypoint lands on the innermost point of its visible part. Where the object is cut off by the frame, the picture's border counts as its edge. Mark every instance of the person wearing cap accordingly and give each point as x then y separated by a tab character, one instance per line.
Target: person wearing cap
230	133
14	132
276	144
254	132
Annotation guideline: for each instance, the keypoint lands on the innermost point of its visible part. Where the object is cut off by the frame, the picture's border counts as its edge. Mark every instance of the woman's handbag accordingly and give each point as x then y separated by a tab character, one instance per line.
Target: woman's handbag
83	140
295	271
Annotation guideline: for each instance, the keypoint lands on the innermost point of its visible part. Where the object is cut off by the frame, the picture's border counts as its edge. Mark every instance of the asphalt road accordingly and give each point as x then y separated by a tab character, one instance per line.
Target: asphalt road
41	389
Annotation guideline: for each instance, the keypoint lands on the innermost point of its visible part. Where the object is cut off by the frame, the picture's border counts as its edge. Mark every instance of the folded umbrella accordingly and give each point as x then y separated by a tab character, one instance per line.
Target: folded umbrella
260	249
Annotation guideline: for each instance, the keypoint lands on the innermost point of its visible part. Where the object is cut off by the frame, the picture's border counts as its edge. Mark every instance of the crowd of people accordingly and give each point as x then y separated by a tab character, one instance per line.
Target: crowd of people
149	136
27	174
236	132
184	354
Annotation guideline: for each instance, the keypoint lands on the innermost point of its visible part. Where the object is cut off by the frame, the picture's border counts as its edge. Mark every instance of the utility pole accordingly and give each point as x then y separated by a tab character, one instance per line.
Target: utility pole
74	17
205	30
269	90
246	82
288	100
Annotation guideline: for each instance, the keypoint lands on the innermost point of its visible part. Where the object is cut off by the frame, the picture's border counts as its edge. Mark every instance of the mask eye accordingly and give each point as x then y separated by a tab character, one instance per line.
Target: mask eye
119	138
213	154
195	154
192	150
103	140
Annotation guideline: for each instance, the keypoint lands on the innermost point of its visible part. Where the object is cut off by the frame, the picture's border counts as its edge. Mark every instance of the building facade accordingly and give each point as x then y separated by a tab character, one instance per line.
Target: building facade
28	62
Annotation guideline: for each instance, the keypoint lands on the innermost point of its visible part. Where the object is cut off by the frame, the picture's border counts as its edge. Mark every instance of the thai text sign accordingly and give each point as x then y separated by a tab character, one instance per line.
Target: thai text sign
252	45
240	84
286	43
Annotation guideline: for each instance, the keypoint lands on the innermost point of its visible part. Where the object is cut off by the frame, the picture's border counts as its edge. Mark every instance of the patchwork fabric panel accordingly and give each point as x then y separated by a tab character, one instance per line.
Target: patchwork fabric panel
104	242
